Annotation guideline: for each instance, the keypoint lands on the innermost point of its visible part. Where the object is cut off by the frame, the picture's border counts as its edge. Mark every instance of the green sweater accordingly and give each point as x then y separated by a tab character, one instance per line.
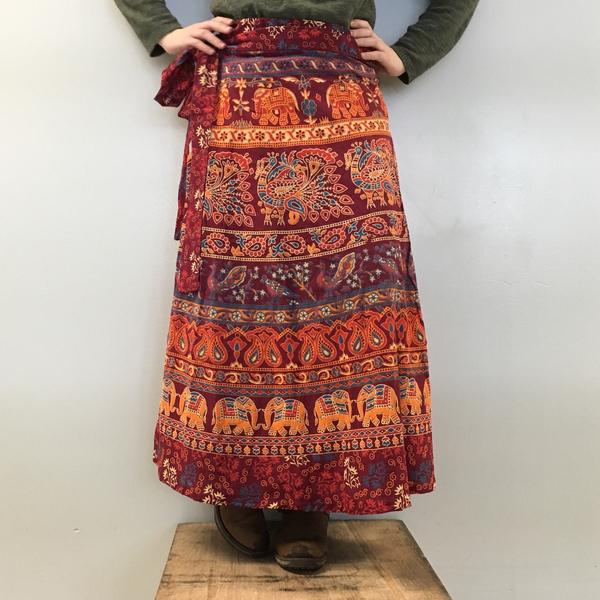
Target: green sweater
425	42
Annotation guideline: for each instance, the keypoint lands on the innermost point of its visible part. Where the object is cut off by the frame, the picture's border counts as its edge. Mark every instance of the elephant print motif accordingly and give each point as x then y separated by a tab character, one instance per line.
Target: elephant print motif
222	111
371	165
193	413
427	396
286	412
376	404
330	408
302	184
375	401
240	413
168	398
346	99
275	106
410	396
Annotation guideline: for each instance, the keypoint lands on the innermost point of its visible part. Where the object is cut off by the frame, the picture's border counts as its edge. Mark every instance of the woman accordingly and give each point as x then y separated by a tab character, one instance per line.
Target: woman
296	374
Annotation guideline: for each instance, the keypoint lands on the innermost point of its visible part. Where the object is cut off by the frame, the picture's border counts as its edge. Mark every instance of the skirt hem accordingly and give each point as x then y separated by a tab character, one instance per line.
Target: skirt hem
340	482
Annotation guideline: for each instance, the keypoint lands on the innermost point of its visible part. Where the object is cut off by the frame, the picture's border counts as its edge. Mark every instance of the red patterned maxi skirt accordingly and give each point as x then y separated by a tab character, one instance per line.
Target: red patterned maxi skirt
296	372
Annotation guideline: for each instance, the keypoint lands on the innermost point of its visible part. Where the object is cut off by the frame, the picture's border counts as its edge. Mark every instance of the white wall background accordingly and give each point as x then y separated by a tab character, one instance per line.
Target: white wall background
498	149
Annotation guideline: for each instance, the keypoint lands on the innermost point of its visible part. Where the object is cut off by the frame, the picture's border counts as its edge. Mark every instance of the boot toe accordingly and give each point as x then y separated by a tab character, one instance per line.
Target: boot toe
301	541
244	529
302	549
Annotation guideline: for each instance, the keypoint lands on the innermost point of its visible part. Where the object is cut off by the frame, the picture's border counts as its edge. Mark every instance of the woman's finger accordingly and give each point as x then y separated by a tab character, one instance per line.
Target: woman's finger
360	23
200	45
373	55
211	25
210	38
361	32
371	42
223	19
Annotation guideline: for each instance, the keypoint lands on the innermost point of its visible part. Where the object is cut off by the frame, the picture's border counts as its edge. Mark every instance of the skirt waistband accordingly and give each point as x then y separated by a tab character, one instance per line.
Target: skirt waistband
252	36
273	36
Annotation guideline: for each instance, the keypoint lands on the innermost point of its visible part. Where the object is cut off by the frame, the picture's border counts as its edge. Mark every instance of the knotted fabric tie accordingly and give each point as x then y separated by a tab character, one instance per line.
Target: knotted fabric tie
191	80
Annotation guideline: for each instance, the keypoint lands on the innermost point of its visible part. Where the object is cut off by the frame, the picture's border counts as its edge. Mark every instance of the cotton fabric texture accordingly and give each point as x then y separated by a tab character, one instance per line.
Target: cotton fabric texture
296	372
425	42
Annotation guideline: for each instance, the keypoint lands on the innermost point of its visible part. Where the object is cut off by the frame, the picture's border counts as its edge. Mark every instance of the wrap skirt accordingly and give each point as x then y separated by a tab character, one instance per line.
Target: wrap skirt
295	373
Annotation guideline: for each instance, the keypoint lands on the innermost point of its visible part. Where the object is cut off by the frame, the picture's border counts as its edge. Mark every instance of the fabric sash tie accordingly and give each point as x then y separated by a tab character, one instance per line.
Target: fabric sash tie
191	80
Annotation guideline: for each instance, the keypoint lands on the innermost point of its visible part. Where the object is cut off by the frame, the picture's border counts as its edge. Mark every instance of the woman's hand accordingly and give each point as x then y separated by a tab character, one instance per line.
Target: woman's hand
198	35
376	49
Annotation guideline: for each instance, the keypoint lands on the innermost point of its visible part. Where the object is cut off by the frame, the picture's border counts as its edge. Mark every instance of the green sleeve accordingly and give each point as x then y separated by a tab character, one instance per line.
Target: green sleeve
435	33
150	20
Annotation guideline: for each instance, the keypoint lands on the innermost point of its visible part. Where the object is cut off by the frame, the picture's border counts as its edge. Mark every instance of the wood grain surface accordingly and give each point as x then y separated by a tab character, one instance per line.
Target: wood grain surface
368	559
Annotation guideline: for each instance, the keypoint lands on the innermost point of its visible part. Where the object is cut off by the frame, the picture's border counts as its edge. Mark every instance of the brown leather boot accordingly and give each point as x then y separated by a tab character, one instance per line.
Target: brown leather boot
300	542
244	528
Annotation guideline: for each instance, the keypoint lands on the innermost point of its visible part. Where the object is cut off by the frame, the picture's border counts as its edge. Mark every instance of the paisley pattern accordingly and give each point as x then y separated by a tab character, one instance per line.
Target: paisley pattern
296	372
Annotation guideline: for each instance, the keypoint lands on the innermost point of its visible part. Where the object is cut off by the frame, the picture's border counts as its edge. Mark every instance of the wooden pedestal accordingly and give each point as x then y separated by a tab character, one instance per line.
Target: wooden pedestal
376	559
